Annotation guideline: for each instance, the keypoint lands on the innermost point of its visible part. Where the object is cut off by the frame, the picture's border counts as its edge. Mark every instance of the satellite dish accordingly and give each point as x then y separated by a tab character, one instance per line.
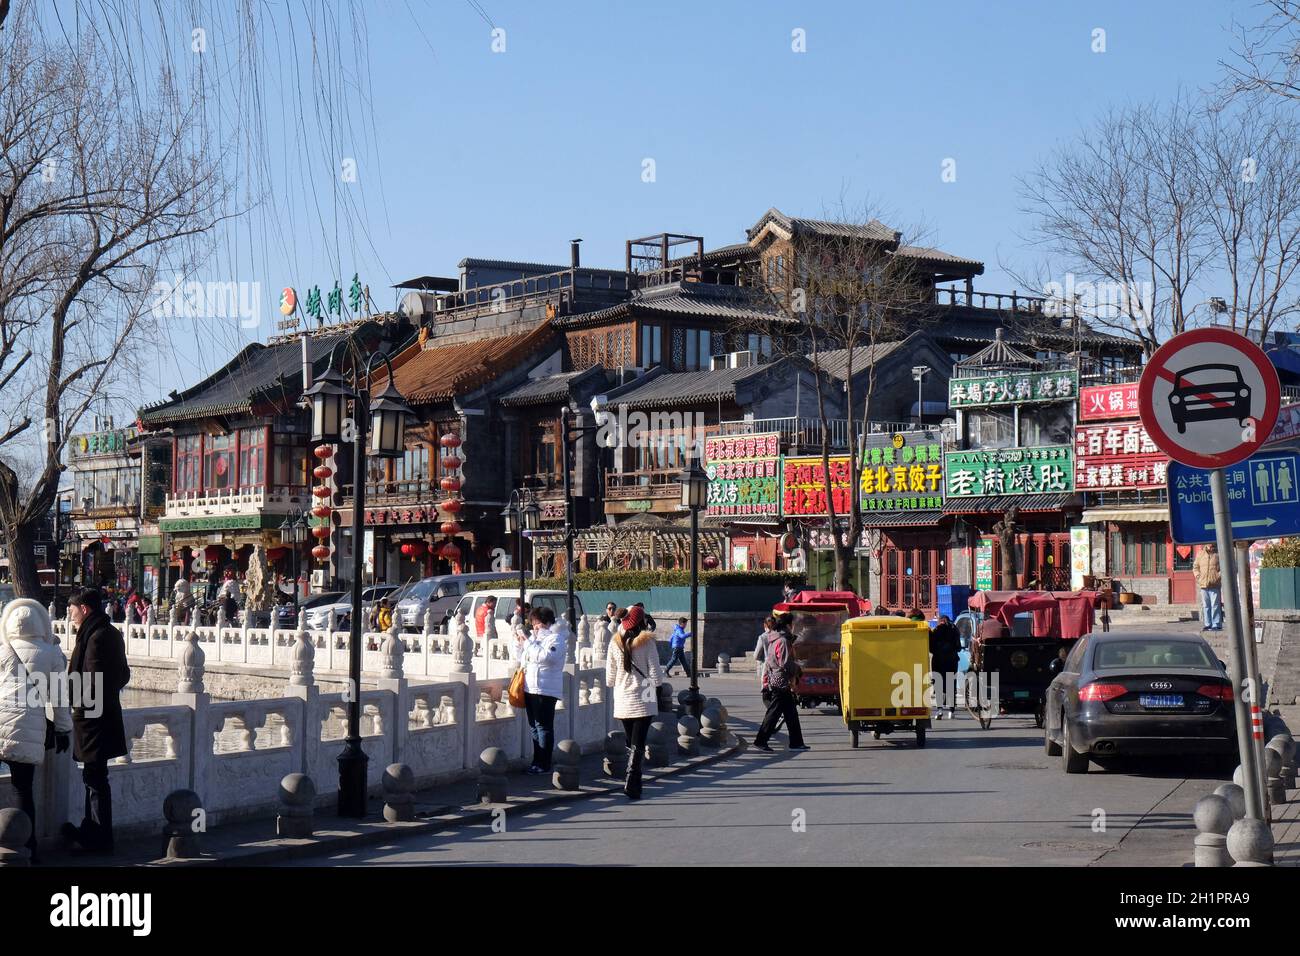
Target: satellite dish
412	306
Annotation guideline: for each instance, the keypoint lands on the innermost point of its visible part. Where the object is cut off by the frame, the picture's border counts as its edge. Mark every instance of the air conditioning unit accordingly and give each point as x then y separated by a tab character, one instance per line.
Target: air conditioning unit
741	359
717	362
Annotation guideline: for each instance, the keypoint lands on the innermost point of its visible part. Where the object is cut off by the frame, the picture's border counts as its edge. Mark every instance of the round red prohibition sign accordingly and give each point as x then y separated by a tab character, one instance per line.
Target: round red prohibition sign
1209	398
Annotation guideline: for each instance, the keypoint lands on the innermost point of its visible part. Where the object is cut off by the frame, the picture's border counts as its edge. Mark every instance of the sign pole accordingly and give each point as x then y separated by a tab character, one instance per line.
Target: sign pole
1256	703
1239	660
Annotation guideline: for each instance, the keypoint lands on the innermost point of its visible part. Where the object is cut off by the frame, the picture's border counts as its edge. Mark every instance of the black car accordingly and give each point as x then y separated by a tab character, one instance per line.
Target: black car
1218	392
1126	693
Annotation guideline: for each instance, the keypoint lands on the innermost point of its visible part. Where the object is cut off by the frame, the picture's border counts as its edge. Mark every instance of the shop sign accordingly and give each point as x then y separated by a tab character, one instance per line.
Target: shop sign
1117	456
744	475
1101	402
400	515
1009	471
1080	556
984	565
804	481
903	472
1015	388
101	443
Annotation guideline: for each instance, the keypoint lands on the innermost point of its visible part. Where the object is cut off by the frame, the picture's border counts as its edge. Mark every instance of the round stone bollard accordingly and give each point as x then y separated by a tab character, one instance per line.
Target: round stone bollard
399	793
1285	748
714	704
183	813
492	783
1273	776
724	663
659	744
564	765
1213	818
297	804
688	736
1250	842
15	831
683	702
665	697
1235	796
615	764
711	728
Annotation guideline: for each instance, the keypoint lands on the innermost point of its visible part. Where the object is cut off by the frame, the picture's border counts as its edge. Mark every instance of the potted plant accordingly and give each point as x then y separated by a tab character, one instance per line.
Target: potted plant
1279	576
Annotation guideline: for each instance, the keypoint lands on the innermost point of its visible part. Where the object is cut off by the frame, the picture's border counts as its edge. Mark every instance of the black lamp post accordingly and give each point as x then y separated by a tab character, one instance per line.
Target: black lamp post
570	432
378	427
521	515
293	532
695	494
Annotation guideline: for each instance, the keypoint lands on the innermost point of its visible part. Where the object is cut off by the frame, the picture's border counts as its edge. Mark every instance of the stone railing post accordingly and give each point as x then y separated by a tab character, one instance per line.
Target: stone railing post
581	655
392	678
189	671
302	660
601	635
302	686
462	646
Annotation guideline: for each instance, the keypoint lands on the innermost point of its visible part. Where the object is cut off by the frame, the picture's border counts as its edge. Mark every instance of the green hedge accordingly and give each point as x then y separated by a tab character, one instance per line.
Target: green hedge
644	580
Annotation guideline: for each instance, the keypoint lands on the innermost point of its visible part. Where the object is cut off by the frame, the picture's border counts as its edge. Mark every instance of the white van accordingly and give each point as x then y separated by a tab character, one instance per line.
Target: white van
557	601
414	599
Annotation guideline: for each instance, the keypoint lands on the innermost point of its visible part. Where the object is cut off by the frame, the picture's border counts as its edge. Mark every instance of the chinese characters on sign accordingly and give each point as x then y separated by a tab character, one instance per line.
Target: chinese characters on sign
1012	389
744	475
1100	402
908	477
984	565
1120	455
1009	471
805	486
101	443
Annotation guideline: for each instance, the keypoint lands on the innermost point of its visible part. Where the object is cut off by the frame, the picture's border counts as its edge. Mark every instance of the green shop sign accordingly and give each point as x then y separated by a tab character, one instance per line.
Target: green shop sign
1009	471
1016	388
903	471
220	523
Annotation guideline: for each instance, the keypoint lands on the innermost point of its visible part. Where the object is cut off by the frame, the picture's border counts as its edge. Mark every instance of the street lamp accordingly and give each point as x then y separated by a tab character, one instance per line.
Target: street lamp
695	494
918	373
293	532
521	515
386	413
569	433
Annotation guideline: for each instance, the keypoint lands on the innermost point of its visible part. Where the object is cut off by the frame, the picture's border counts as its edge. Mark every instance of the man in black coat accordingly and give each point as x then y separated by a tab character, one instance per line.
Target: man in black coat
945	653
99	665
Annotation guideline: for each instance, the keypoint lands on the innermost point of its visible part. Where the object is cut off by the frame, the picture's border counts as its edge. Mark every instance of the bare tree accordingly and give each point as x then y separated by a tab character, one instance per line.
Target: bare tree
98	191
1267	55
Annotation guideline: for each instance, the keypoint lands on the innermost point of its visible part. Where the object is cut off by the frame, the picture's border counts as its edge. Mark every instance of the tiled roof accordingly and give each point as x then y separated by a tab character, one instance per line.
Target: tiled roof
548	388
696	299
259	372
998	354
998	504
835	362
539	268
938	255
659	389
900	519
441	373
795	225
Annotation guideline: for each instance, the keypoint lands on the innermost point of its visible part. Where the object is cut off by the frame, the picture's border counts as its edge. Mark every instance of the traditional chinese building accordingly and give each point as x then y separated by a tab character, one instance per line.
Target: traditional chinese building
106	489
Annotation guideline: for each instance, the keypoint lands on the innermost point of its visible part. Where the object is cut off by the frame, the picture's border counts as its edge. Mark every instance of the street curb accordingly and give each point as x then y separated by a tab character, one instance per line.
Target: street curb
378	832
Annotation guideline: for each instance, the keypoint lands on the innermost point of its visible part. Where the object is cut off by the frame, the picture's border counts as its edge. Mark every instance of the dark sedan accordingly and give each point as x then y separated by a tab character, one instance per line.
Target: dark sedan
1121	694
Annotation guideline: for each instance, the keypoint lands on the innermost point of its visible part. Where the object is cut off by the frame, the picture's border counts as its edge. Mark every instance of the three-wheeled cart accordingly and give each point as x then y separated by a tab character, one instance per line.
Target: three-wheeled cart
884	665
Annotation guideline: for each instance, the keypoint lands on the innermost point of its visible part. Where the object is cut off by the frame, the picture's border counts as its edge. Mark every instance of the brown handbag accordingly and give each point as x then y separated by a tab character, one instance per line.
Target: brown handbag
515	692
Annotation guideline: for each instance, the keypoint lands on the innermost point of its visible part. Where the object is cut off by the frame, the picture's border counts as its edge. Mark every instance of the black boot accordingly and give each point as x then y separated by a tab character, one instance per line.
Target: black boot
632	781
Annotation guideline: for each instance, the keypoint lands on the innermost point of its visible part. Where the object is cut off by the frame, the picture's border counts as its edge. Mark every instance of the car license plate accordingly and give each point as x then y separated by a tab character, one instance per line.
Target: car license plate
1160	701
1020	693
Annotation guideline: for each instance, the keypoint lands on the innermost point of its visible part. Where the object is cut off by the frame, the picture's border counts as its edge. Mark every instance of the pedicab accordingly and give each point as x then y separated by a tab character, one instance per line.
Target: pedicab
1018	636
815	619
884	663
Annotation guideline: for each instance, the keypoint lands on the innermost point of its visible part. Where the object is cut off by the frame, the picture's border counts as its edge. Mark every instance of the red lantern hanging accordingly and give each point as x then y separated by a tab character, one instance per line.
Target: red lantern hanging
321	491
450	484
450	440
449	551
451	463
322	471
408	549
418	548
451	505
710	562
321	531
320	552
451	528
323	451
322	511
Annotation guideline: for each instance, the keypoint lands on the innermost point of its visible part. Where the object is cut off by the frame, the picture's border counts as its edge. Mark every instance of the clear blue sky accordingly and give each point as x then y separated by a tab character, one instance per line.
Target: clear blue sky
509	155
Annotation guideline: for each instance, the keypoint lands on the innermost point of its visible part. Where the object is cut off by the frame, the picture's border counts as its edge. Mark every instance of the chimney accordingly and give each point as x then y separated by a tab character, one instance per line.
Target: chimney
573	253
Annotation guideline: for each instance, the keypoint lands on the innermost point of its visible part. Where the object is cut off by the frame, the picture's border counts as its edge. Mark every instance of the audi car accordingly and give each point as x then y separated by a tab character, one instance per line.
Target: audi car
1138	694
1207	393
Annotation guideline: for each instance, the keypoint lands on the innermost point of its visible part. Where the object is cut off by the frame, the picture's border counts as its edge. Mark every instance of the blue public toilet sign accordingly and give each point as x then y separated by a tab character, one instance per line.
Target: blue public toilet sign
1263	498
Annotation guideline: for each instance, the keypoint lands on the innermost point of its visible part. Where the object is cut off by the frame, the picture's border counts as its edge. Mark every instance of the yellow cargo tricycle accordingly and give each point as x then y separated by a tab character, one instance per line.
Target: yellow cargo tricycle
884	676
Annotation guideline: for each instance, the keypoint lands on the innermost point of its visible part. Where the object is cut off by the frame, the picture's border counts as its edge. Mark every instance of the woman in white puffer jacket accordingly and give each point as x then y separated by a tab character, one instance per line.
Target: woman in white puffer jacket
33	673
541	654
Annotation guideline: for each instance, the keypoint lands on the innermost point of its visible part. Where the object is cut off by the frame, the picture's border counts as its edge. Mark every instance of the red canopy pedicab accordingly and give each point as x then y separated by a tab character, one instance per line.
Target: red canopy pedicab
816	617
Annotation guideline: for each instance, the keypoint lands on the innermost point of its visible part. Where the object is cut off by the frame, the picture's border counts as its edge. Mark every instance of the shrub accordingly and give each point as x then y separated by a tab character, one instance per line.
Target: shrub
1284	554
618	580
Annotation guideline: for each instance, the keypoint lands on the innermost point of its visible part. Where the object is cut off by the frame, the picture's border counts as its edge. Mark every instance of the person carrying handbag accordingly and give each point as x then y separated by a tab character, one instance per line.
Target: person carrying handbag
540	655
632	673
782	672
34	713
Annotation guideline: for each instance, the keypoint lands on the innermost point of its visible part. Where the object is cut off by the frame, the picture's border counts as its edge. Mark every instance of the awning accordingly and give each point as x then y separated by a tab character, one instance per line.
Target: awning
1026	503
1150	514
900	519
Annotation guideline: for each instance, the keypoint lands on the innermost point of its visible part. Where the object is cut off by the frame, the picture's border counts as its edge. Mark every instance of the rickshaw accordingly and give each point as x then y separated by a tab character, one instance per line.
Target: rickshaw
884	687
1015	642
816	617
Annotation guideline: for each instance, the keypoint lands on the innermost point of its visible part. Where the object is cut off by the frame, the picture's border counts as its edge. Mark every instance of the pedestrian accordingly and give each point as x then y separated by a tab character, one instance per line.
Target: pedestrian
677	644
1205	569
789	591
649	621
34	715
485	612
611	609
541	654
945	654
769	625
384	619
782	671
632	672
916	615
99	666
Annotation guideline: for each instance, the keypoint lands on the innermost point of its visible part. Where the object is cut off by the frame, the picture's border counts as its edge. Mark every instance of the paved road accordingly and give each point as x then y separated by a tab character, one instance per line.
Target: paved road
971	797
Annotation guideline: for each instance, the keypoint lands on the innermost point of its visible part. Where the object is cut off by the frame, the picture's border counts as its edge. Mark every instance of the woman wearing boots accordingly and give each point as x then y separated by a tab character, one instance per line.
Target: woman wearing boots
632	671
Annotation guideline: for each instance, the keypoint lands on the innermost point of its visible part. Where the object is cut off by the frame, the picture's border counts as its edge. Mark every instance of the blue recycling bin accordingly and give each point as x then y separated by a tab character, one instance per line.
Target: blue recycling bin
951	599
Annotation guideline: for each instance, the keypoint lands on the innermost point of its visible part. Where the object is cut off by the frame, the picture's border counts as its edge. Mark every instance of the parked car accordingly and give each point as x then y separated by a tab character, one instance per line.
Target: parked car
1120	694
417	598
557	601
318	614
314	604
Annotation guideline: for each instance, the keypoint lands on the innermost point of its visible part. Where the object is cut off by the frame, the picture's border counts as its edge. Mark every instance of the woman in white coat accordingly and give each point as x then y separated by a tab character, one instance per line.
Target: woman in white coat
541	655
632	672
34	711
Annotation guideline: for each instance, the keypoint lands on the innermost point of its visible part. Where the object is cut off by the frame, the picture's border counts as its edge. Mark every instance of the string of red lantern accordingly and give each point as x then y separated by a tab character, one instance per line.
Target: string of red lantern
453	461
322	509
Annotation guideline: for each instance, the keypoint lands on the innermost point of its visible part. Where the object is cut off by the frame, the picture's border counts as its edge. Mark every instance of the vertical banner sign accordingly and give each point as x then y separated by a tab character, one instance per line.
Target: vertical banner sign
744	475
1080	556
984	565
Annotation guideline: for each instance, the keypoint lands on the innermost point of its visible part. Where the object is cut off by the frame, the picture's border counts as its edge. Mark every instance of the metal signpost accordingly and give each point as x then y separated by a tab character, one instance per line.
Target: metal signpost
1209	399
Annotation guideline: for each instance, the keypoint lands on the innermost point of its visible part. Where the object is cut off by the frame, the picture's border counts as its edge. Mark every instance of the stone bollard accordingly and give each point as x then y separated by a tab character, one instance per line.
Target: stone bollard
1213	818
1285	746
615	764
462	645
565	761
399	793
683	702
302	663
1250	842
664	694
297	804
688	736
724	663
659	744
1236	797
183	811
392	651
1273	776
190	667
711	728
15	831
492	784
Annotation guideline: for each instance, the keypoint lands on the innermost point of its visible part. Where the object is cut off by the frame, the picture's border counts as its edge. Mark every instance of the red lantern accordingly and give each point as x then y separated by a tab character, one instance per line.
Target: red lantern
418	548
321	531
450	440
451	463
321	491
323	451
449	551
451	505
710	562
408	549
450	528
322	511
320	552
450	484
322	471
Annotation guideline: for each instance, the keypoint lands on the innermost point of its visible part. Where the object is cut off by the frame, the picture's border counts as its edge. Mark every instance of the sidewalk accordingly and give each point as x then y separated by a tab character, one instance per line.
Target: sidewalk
438	809
1286	818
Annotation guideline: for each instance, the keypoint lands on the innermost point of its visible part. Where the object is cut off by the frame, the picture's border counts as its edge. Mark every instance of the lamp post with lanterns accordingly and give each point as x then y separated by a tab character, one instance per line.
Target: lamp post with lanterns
293	532
521	515
377	427
695	494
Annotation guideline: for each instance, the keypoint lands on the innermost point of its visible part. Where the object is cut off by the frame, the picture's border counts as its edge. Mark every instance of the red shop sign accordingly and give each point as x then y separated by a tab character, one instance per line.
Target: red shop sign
1100	402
